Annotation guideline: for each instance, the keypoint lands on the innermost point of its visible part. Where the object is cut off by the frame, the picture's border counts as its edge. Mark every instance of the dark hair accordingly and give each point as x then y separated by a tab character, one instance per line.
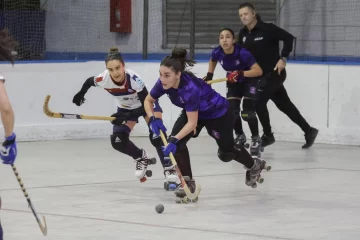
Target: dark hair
7	45
247	4
178	61
227	29
114	54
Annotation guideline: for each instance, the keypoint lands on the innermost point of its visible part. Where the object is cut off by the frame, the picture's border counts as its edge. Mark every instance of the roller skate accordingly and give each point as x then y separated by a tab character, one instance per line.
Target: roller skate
267	139
172	179
240	141
180	193
253	175
142	163
256	146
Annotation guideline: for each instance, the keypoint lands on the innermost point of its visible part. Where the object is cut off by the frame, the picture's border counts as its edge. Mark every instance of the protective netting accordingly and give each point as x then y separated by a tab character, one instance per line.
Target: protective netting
81	29
326	30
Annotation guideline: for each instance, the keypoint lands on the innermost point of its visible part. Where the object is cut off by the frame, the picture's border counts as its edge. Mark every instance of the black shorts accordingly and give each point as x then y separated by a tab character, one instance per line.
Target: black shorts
217	128
249	88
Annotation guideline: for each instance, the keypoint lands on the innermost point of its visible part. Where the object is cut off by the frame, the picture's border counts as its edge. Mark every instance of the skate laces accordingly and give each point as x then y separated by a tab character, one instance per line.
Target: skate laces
141	162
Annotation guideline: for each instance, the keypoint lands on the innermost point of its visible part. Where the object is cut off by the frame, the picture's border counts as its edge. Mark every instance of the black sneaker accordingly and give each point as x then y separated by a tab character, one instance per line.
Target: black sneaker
310	137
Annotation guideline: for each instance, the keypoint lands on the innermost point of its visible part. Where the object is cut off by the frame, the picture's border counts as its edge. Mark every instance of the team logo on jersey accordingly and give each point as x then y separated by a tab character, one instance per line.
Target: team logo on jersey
237	62
244	39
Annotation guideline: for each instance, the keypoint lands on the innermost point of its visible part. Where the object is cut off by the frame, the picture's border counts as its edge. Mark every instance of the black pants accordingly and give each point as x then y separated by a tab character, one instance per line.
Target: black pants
274	89
248	91
219	130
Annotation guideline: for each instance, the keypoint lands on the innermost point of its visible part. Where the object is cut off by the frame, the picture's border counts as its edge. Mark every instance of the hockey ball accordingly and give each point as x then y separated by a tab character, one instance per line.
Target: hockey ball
159	208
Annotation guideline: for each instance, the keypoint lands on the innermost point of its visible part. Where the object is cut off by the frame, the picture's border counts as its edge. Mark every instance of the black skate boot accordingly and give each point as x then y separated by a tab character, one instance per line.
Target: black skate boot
142	163
267	139
180	193
171	177
256	146
253	175
240	142
310	137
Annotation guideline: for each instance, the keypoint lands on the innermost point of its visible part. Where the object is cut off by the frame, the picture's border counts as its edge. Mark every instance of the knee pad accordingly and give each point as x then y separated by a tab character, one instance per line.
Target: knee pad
226	156
156	140
119	141
249	109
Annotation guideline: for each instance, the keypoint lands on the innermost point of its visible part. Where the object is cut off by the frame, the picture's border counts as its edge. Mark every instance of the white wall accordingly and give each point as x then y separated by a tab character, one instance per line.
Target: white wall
327	96
84	26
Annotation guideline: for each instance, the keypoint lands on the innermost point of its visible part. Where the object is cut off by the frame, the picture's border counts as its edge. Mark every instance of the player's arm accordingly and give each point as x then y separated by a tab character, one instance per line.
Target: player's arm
255	71
192	105
249	60
7	113
212	65
79	98
190	126
140	110
155	124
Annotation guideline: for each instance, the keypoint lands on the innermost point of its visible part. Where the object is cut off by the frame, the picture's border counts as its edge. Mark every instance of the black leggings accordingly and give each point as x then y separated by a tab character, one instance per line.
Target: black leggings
219	130
248	91
275	90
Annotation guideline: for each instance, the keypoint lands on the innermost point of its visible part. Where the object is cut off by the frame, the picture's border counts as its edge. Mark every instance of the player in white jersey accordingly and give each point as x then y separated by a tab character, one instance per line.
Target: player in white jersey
130	91
8	151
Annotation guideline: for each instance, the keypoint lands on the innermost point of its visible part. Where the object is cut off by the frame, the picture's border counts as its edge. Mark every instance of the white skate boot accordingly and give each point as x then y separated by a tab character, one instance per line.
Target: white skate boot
172	179
141	167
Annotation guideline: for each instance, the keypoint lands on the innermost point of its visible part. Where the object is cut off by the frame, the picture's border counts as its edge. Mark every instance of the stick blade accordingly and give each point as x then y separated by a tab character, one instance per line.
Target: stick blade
43	228
46	107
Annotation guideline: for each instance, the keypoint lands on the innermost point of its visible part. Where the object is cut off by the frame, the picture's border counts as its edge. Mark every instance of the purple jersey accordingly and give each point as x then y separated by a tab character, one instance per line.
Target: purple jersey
193	94
240	59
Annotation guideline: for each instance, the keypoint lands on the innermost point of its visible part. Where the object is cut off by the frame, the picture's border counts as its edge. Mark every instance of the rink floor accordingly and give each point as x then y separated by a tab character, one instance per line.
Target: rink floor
87	191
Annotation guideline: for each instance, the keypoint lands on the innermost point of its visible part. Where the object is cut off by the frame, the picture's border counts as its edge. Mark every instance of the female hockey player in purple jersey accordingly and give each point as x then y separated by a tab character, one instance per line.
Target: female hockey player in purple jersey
202	107
129	92
243	75
8	151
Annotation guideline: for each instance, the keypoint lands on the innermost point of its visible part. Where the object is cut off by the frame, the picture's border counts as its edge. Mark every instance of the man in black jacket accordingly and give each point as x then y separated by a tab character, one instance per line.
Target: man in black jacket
262	40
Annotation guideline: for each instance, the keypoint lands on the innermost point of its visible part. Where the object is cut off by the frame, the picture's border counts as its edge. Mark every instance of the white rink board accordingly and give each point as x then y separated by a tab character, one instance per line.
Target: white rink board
324	94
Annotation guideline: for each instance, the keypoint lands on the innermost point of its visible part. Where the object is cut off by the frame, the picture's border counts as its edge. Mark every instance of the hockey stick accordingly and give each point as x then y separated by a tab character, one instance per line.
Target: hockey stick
191	196
216	80
43	227
51	114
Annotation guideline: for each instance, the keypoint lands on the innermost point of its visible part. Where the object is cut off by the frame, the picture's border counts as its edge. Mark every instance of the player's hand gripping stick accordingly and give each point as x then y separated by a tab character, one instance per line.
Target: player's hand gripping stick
191	196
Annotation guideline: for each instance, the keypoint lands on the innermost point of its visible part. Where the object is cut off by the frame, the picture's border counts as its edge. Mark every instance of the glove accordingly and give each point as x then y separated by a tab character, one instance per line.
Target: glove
171	147
121	117
236	76
209	76
156	124
79	98
8	151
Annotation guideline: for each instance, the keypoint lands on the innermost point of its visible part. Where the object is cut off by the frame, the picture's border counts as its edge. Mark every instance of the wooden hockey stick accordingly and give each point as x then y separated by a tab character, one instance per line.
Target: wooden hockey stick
217	80
51	114
43	227
191	196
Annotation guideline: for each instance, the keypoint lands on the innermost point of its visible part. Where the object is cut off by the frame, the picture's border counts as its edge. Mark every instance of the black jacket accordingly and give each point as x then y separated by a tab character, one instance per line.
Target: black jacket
263	42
